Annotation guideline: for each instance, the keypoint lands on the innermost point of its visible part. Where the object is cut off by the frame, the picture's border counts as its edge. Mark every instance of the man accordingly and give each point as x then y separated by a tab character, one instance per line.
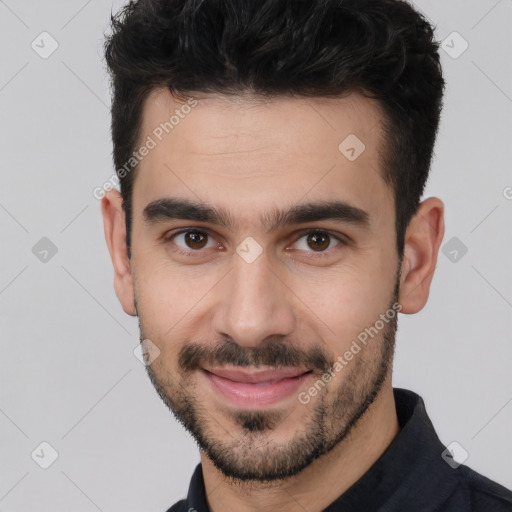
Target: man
272	156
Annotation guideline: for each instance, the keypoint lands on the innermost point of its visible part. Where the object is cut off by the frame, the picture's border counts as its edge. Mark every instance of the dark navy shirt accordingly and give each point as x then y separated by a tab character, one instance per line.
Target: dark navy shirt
414	474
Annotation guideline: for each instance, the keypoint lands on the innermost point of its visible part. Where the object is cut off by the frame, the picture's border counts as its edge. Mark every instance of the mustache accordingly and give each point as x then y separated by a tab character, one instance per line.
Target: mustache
194	356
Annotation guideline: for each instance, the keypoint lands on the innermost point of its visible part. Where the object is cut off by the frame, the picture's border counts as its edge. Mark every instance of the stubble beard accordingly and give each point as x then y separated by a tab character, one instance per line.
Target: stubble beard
242	447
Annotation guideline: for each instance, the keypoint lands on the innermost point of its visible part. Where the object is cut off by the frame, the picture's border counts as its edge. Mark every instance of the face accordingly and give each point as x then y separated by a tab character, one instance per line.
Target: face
262	251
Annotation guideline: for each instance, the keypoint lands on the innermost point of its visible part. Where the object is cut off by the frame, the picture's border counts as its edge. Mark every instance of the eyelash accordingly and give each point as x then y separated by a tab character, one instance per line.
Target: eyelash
197	253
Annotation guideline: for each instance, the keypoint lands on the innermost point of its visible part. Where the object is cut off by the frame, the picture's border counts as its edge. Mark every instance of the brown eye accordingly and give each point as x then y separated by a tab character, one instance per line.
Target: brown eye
195	239
190	241
318	241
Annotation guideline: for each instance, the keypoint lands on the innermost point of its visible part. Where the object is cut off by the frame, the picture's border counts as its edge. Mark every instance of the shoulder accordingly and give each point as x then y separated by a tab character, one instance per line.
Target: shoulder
483	493
180	506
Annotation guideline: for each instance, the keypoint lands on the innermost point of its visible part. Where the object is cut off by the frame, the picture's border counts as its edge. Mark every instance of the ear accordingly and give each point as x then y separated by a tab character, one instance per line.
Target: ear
115	234
422	241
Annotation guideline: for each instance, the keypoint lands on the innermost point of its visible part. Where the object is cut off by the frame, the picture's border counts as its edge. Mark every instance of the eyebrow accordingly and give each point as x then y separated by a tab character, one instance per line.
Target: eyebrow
169	208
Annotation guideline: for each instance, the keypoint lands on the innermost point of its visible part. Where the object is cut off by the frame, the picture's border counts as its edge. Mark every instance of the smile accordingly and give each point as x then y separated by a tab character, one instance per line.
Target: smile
255	390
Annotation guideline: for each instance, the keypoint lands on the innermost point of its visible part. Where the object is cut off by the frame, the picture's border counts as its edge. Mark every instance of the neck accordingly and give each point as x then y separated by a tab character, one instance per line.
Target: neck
323	481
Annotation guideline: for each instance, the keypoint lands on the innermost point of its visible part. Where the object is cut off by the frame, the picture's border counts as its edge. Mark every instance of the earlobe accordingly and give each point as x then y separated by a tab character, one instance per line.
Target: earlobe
115	235
422	241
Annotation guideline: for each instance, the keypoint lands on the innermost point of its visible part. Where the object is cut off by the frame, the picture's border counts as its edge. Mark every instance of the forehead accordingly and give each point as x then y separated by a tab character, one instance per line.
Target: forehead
245	154
306	123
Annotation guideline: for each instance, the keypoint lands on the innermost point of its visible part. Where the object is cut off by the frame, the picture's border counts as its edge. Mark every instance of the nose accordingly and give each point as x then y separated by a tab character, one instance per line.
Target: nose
255	304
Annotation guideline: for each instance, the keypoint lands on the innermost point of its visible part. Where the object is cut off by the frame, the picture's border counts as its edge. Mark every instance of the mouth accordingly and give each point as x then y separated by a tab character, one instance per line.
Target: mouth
255	389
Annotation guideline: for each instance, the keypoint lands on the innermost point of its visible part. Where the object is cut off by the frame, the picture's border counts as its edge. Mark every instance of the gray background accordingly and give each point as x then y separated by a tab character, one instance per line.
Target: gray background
68	374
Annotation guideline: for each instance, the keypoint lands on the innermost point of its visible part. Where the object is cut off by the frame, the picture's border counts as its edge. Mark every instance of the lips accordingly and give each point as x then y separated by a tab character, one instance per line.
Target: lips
255	389
257	377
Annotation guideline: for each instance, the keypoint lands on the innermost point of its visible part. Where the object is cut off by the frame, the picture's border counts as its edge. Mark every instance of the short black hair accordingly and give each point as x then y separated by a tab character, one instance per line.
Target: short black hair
383	49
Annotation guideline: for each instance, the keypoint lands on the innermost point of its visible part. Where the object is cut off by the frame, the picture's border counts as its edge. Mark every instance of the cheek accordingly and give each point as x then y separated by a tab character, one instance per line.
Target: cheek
161	285
343	304
163	324
160	292
169	299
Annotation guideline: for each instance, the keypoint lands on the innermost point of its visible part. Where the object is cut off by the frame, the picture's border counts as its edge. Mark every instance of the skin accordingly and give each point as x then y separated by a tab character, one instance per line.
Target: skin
249	157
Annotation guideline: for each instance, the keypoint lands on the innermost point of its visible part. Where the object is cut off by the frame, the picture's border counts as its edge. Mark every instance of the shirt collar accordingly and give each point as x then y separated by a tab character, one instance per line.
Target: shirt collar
401	476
